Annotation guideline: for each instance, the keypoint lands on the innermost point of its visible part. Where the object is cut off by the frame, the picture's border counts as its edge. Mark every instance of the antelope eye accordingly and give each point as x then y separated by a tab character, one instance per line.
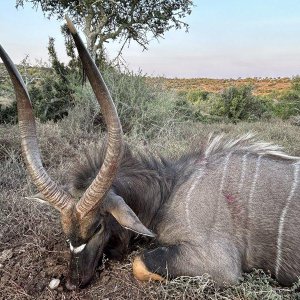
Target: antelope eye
98	228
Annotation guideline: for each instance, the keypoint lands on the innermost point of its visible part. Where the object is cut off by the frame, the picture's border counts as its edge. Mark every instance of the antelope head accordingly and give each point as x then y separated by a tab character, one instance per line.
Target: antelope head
85	221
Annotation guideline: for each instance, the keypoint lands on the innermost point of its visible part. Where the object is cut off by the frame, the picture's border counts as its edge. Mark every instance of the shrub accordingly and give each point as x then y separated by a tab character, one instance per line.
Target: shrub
184	109
49	88
144	107
296	84
51	98
196	96
238	103
8	105
289	102
8	113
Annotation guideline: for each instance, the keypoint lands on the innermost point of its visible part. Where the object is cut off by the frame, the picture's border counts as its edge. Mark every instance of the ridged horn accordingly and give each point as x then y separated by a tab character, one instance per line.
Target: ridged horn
60	199
103	181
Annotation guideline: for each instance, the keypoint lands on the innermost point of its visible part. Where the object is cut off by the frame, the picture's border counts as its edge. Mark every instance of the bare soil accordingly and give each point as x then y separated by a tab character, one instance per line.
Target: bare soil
33	252
27	272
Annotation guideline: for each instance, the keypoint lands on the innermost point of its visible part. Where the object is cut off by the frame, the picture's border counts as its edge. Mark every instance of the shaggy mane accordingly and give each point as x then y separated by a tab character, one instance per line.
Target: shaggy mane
132	165
244	143
148	167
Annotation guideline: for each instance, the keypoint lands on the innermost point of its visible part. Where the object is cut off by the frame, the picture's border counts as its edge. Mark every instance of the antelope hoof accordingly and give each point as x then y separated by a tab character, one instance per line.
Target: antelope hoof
140	271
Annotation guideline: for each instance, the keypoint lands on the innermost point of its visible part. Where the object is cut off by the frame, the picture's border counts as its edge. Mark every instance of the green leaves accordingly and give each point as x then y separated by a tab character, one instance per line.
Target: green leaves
126	20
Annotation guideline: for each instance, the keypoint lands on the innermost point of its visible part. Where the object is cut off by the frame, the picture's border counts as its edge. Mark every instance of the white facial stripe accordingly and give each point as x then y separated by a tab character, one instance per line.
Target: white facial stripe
78	249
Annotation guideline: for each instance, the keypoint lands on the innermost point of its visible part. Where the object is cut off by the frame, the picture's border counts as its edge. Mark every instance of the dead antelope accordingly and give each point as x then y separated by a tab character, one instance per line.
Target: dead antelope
228	208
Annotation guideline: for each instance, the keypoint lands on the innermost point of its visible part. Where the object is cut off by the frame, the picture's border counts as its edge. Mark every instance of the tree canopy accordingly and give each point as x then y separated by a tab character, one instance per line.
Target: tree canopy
126	20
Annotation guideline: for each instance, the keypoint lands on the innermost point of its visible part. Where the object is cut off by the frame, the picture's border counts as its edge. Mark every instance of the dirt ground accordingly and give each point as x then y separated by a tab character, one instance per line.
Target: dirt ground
26	275
33	252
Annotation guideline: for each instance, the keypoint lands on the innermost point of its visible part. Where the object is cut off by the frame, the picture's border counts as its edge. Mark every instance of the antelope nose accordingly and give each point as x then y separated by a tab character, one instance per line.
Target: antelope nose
70	286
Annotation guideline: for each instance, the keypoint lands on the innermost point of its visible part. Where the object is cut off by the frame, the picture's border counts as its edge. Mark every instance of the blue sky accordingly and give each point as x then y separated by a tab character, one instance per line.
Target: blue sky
227	39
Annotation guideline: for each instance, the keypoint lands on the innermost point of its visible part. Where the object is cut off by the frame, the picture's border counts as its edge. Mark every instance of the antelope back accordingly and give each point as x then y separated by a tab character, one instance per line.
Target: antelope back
250	197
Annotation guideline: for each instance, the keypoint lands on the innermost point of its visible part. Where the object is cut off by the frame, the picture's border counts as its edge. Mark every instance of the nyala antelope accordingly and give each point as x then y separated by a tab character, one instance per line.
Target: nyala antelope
226	209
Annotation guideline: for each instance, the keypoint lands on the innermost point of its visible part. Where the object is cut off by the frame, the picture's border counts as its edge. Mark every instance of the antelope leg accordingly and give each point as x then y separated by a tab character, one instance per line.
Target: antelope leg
179	260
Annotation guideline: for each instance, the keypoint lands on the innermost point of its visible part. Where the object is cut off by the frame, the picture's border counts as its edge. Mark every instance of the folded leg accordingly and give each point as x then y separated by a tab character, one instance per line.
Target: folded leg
180	260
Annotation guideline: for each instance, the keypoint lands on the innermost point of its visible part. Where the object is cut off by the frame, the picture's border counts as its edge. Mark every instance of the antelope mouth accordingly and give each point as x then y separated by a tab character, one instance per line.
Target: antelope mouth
83	264
81	274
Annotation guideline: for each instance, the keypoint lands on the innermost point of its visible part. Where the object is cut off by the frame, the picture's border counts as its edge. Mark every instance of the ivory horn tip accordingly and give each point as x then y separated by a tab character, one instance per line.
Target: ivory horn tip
70	25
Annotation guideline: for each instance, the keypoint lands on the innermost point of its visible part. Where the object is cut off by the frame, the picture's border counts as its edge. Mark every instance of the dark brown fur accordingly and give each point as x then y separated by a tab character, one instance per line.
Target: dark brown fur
144	182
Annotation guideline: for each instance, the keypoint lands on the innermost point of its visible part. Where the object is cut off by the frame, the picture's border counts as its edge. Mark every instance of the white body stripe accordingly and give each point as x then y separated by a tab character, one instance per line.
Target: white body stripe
283	215
243	173
78	249
253	185
189	195
224	171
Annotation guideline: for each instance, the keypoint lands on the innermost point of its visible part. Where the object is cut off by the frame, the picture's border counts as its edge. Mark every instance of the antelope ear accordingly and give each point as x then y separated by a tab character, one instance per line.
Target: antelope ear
39	197
125	215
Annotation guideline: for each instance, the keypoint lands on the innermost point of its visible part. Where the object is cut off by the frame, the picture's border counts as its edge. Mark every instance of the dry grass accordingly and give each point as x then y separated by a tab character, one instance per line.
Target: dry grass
32	246
262	86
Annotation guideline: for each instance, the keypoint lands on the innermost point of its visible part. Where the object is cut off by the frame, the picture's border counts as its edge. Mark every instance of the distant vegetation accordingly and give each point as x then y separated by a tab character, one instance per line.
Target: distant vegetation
241	99
59	91
261	86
